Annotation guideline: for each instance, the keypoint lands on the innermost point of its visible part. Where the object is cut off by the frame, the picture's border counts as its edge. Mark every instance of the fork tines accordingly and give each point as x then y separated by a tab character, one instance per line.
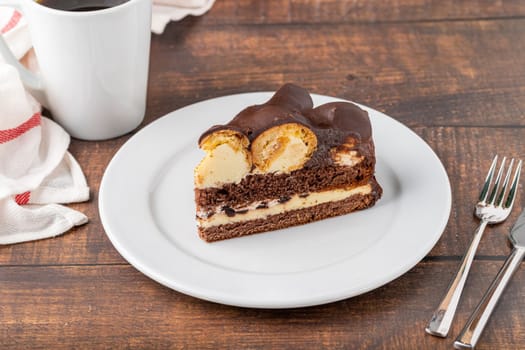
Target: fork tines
494	193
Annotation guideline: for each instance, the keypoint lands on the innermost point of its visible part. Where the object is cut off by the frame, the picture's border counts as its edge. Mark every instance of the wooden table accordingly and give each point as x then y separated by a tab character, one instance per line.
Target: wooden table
452	71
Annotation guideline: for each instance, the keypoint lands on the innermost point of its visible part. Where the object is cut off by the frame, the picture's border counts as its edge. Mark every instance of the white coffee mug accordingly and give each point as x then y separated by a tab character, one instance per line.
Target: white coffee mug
93	65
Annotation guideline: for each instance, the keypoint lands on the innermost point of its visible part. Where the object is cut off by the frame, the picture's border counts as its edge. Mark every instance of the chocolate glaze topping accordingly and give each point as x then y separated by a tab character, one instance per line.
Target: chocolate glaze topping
333	123
343	116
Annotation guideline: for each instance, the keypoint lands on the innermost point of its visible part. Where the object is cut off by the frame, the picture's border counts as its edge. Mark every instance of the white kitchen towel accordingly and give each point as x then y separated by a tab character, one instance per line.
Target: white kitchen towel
36	171
165	11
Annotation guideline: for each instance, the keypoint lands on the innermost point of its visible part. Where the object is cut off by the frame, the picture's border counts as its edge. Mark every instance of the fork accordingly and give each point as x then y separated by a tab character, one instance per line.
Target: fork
494	206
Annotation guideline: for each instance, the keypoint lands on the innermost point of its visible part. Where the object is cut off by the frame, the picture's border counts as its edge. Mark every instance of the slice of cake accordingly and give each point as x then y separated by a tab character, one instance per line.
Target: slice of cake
284	163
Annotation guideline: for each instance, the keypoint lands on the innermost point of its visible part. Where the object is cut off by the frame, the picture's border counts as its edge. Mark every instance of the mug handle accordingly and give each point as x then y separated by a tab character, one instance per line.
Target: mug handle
31	81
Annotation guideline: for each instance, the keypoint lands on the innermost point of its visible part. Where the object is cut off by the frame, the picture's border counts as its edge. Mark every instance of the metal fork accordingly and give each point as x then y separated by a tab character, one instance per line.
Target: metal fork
494	206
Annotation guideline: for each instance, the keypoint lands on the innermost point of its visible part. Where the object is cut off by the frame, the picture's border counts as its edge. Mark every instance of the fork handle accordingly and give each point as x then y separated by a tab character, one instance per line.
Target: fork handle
475	325
441	320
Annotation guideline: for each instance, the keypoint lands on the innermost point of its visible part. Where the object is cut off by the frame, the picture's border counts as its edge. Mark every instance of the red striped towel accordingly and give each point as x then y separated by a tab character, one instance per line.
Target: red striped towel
36	171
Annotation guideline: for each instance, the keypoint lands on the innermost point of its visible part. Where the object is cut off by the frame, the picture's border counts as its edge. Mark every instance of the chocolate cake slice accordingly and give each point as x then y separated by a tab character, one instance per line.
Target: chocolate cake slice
284	163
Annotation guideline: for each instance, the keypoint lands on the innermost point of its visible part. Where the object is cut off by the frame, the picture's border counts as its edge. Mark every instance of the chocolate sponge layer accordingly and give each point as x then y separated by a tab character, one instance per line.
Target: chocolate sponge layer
293	218
263	186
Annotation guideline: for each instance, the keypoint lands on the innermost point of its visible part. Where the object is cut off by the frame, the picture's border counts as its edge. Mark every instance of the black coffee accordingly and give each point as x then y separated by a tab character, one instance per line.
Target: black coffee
80	5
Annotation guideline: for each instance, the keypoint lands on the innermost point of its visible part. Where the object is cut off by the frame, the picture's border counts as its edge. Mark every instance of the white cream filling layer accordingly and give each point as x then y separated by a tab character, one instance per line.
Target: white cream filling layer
275	207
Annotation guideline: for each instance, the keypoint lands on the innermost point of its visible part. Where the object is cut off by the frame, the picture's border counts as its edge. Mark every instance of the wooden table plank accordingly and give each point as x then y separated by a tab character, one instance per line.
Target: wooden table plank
117	307
462	73
337	11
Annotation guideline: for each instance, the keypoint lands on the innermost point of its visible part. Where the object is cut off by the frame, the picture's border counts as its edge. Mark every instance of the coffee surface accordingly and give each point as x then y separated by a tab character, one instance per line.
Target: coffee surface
80	5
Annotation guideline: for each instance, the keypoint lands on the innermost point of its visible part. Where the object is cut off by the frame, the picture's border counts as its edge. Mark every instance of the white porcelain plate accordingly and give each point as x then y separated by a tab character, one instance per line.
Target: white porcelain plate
148	211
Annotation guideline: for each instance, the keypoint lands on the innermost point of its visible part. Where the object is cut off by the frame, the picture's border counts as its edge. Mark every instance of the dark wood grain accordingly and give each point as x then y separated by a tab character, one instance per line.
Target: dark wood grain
75	307
452	71
465	73
336	11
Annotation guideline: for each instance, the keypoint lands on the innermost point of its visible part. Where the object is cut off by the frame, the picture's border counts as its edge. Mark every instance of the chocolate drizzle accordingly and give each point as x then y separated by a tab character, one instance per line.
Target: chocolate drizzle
284	199
334	124
228	211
